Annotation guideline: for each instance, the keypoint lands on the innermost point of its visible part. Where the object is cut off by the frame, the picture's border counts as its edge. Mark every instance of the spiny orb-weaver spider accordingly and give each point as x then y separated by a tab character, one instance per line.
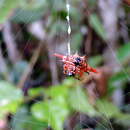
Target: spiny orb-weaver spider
75	65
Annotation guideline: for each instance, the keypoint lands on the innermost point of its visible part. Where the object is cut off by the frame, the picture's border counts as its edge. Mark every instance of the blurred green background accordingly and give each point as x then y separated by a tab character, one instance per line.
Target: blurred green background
34	92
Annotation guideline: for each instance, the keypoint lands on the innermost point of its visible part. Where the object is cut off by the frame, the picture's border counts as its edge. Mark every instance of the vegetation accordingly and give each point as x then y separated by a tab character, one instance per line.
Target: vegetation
34	92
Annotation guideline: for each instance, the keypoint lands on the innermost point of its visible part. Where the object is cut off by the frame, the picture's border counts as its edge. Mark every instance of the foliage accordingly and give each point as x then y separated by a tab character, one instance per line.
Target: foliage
21	15
64	96
120	78
123	53
10	98
51	112
38	104
95	22
6	6
23	120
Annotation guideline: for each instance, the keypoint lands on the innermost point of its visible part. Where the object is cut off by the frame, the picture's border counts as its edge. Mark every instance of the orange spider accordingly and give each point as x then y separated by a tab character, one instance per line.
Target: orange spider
75	65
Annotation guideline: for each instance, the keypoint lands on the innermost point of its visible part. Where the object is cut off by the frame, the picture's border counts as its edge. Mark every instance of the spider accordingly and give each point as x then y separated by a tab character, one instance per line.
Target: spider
75	65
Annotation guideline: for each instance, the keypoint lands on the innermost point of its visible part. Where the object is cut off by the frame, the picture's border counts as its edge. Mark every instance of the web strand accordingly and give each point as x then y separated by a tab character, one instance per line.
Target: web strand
69	27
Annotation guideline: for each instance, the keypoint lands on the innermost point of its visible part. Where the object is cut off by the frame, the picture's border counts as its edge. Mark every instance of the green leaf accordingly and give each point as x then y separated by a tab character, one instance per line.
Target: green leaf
61	14
56	91
53	112
33	92
123	119
10	98
57	5
60	90
95	22
23	121
95	60
123	53
27	16
70	82
34	4
79	101
107	108
6	8
118	80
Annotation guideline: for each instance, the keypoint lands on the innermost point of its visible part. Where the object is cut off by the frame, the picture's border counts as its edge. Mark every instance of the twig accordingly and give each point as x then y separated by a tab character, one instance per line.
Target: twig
88	42
3	66
10	43
53	67
29	68
38	31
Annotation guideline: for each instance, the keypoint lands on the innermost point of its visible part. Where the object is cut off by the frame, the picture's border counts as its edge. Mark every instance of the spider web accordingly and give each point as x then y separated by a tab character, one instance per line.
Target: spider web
77	94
